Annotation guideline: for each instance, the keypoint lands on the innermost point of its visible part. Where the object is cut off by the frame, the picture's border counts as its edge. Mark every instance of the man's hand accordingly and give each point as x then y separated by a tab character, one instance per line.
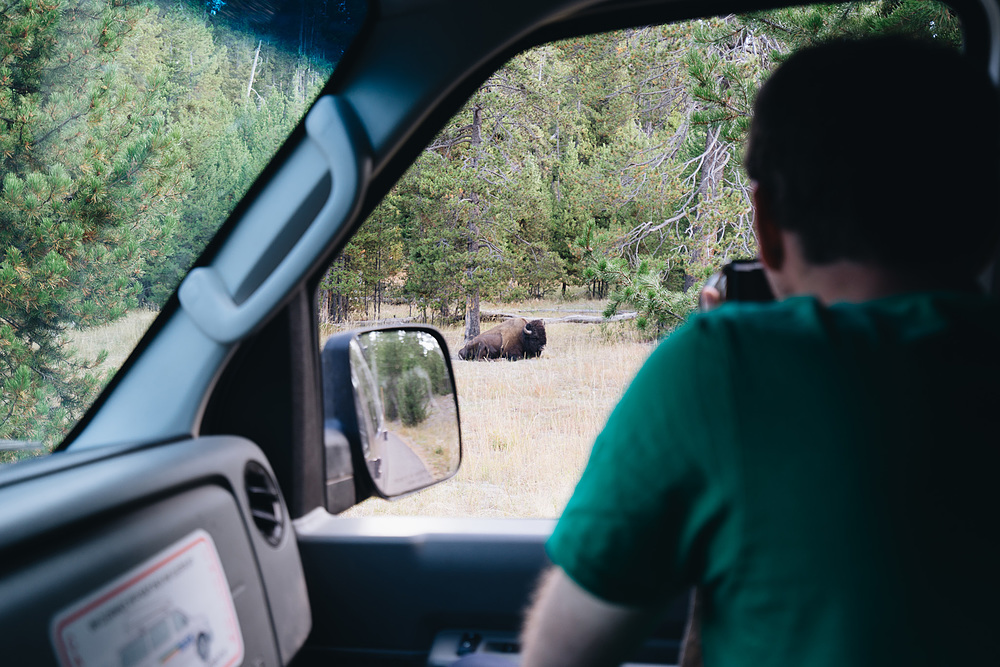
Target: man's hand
709	299
566	625
712	292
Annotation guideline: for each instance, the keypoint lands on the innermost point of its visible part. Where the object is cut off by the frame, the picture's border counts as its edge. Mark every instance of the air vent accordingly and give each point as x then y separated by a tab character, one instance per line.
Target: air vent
265	504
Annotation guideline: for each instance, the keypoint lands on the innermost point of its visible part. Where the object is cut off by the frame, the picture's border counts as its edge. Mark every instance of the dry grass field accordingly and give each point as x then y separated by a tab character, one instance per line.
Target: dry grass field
117	339
527	426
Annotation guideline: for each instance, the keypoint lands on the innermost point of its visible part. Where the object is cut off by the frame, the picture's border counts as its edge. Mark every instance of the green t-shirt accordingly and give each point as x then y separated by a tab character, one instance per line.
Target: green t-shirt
827	475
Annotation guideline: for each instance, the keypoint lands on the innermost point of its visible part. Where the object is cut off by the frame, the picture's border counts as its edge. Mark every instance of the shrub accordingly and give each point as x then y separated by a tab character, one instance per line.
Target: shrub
412	396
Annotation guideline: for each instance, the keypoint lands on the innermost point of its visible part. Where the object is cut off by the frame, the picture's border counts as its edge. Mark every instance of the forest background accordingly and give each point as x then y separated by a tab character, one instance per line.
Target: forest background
607	164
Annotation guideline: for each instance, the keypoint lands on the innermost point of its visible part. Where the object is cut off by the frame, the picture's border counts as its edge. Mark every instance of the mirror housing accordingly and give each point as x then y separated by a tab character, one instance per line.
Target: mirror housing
390	410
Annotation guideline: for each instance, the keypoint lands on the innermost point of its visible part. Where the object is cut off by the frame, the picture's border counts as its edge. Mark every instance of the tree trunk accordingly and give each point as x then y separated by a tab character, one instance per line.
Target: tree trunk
253	70
598	289
339	306
323	306
472	315
477	127
472	295
302	30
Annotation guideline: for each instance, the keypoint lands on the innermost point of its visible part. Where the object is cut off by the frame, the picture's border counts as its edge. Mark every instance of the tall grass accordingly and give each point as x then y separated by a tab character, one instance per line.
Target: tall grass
117	338
528	426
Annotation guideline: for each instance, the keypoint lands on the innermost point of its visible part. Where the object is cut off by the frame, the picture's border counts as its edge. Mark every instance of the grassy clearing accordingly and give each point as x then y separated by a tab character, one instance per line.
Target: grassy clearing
87	345
117	339
527	426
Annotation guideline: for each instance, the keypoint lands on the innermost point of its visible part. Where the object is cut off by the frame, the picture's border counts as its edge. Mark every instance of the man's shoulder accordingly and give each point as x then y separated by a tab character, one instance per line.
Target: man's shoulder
906	315
793	311
802	332
732	323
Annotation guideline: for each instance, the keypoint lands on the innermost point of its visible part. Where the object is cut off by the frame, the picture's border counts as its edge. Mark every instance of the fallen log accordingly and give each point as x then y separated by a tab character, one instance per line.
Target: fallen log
571	319
590	319
363	324
496	316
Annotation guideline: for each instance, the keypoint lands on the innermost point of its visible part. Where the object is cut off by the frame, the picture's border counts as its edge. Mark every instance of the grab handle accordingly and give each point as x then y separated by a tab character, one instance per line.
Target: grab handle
333	126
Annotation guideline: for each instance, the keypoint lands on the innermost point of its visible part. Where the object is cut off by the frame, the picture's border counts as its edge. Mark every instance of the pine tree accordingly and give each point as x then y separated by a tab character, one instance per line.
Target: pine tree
708	220
91	184
362	276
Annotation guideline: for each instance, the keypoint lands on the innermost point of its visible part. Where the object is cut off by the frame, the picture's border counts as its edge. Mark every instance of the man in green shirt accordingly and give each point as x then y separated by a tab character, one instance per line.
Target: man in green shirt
821	468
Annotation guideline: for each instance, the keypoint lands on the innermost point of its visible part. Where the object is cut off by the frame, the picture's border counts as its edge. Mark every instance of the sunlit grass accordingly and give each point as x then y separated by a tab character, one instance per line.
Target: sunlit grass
528	426
117	339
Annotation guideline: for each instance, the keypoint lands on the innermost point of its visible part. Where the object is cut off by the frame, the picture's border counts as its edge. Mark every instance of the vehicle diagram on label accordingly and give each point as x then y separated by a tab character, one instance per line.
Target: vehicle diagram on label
173	609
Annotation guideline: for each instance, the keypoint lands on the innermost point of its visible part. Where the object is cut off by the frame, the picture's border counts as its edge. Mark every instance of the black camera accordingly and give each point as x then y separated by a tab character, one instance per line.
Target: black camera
741	280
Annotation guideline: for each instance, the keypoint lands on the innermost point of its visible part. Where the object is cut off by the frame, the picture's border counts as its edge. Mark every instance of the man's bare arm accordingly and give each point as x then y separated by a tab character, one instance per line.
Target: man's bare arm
566	625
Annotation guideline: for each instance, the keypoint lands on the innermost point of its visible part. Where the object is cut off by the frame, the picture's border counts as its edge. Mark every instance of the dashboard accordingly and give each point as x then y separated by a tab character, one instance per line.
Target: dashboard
112	555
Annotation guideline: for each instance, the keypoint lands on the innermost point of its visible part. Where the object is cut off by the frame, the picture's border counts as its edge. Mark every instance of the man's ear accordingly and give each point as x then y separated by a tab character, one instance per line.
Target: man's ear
769	240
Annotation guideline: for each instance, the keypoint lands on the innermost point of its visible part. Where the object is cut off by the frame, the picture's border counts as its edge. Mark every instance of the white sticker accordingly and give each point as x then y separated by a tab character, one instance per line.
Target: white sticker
174	609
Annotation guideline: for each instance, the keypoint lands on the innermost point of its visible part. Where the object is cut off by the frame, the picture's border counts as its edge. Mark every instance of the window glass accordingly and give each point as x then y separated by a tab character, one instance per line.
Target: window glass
128	132
593	183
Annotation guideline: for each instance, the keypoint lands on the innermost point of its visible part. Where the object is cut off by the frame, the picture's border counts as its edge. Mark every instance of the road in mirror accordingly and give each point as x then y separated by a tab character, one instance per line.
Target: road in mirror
406	403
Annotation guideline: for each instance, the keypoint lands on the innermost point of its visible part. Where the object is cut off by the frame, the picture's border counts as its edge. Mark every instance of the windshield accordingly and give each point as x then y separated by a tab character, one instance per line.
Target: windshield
128	133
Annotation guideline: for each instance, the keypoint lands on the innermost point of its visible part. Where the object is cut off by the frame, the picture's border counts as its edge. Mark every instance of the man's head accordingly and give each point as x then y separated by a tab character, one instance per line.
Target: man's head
883	153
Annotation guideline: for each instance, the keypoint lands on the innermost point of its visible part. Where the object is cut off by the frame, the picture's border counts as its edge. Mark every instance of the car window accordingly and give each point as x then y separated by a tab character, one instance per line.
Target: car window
593	184
128	133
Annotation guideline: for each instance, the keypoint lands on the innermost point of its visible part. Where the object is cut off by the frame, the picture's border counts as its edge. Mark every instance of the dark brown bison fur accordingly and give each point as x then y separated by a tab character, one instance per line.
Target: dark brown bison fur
482	348
516	338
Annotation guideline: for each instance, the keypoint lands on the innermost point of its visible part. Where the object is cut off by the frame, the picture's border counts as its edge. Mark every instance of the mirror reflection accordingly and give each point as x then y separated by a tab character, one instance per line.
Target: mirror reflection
406	409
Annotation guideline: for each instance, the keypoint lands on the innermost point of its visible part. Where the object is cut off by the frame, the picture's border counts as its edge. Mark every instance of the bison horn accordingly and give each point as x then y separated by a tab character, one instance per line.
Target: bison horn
527	331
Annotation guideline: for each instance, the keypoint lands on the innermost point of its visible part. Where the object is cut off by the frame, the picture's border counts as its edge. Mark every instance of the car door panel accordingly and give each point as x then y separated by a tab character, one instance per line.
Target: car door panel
417	576
385	588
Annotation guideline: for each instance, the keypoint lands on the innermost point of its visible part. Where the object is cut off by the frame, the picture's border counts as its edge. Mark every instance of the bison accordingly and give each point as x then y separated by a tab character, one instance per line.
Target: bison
516	338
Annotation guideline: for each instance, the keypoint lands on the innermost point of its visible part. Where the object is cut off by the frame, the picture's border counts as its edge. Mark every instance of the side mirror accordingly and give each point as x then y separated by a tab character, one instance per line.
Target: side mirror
391	393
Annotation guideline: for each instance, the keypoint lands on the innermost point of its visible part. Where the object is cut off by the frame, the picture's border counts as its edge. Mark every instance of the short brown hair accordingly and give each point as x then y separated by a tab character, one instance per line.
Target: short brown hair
882	151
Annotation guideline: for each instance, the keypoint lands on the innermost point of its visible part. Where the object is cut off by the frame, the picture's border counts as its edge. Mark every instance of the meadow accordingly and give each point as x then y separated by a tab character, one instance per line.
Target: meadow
117	339
527	426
